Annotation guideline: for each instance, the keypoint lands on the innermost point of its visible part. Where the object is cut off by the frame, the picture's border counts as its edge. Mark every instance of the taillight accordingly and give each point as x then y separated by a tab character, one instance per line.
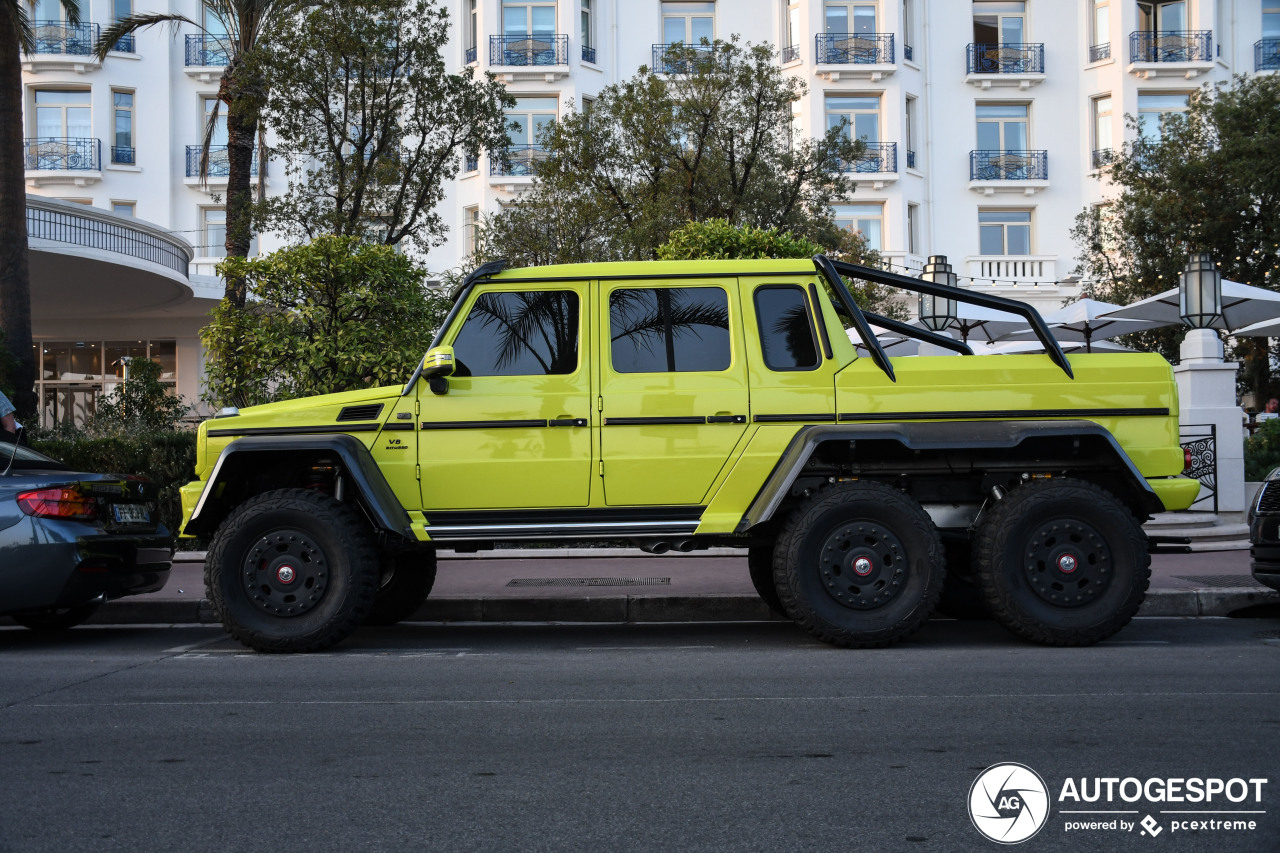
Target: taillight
1186	459
58	503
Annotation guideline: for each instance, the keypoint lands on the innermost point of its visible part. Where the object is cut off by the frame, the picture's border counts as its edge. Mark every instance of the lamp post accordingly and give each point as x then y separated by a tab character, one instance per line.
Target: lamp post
1200	292
938	312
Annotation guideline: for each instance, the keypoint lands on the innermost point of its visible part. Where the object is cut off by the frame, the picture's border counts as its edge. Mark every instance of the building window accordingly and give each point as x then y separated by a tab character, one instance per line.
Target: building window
913	229
219	136
72	375
795	130
688	23
528	17
1162	17
1004	232
1153	107
1101	35
63	114
213	233
999	22
122	131
858	114
908	29
471	229
473	30
866	219
841	18
123	208
1102	149
1002	127
791	50
588	32
910	117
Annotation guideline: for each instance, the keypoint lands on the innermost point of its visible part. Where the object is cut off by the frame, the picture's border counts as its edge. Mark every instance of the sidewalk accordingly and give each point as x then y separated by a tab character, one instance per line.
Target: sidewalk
591	585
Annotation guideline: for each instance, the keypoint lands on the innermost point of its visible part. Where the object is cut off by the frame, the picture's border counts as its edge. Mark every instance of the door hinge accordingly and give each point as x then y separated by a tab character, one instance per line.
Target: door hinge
417	408
601	467
599	404
417	471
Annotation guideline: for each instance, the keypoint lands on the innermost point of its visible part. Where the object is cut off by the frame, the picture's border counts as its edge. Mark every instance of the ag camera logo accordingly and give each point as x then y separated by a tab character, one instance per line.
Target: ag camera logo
1008	803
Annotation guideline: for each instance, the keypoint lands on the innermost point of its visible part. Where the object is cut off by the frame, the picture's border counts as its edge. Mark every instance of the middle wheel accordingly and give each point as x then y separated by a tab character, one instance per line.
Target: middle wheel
859	564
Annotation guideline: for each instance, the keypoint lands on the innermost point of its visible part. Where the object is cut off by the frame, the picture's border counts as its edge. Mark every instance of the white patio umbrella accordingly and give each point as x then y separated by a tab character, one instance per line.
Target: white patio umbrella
1019	347
1242	306
1265	329
979	324
892	343
1087	321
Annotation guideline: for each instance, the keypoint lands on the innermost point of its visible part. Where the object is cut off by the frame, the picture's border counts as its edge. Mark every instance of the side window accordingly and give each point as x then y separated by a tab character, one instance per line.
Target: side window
669	329
786	330
532	333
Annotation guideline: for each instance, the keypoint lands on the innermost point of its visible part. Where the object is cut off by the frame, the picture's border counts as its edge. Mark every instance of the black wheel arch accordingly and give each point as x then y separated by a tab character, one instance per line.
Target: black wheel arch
255	464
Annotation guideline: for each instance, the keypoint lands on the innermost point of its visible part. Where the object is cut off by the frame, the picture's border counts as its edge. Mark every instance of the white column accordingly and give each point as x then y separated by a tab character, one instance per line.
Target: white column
1207	395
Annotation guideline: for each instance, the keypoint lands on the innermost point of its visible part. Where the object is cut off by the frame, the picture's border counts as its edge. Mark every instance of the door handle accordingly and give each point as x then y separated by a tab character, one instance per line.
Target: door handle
567	422
727	419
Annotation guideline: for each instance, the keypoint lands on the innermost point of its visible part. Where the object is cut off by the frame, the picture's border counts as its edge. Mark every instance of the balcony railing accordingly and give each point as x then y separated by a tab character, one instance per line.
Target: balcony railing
679	58
1171	46
49	219
122	154
854	48
588	54
518	160
1099	52
219	162
206	51
790	53
529	50
879	157
1006	58
62	154
471	164
1266	55
56	37
1102	157
1008	165
907	52
470	56
911	159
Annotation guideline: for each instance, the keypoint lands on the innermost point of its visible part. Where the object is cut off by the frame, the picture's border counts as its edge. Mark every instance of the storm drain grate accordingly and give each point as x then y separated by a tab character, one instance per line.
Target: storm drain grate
1223	581
589	582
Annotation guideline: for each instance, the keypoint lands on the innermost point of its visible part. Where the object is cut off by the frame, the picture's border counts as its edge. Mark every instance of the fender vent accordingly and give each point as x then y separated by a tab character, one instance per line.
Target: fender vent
360	413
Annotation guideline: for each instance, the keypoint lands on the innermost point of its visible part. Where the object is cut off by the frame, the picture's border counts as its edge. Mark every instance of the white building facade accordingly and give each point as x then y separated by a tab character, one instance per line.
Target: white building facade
989	123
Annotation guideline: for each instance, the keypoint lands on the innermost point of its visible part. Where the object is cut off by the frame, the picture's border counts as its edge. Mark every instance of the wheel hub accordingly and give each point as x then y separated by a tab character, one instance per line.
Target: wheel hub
1068	562
862	565
285	573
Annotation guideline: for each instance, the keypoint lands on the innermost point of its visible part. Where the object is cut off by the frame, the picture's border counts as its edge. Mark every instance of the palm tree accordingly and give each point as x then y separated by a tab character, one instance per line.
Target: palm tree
16	38
241	89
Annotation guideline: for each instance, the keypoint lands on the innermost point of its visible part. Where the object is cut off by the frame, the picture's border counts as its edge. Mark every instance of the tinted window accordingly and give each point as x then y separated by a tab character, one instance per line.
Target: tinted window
786	334
519	334
669	329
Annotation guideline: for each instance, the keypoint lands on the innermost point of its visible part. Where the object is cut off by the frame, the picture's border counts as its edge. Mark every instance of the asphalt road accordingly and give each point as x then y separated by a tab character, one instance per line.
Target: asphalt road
616	738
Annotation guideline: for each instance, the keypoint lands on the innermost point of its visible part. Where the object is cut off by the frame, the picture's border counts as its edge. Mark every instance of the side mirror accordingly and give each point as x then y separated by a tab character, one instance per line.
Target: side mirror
438	361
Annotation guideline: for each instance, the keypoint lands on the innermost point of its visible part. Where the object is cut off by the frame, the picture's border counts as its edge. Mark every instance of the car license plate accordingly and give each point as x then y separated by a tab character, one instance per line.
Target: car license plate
131	513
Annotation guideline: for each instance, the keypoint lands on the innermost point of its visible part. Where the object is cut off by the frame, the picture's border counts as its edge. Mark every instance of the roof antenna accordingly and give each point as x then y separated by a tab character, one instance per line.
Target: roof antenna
17	432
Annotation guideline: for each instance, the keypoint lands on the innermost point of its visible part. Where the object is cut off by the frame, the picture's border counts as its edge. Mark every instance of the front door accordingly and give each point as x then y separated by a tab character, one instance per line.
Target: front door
673	388
514	429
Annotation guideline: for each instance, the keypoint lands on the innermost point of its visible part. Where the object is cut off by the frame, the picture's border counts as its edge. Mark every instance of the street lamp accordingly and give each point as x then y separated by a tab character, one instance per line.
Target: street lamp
938	312
1200	292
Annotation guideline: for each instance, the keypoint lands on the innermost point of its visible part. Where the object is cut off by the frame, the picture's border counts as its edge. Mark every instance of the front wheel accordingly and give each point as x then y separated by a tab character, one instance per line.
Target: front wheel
291	571
1062	562
860	564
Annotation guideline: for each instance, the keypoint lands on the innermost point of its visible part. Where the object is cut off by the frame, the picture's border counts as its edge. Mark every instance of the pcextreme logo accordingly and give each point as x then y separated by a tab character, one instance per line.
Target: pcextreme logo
1009	803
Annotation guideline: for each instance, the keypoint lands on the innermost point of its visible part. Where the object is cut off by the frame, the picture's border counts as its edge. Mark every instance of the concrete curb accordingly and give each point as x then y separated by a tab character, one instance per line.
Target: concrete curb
646	608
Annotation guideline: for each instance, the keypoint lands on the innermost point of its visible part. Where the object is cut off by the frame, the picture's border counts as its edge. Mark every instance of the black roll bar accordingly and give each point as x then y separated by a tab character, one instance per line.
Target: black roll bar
833	270
927	335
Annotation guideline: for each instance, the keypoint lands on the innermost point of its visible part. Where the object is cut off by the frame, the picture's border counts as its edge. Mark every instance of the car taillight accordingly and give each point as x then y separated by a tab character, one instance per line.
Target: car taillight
1186	459
58	503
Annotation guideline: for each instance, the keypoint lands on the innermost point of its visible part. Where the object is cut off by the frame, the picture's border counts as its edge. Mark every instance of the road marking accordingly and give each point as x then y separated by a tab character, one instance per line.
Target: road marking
637	648
177	650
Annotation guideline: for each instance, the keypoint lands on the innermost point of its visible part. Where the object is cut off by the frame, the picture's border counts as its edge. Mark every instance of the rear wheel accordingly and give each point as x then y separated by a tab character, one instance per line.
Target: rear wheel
859	565
291	571
407	578
760	565
56	619
1062	562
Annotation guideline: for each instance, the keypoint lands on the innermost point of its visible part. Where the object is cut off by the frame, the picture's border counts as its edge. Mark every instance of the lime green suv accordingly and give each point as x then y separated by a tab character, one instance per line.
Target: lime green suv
681	405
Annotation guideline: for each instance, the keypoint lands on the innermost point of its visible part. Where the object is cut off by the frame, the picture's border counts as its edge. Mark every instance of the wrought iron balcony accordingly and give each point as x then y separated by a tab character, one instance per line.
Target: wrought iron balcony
219	162
518	160
62	154
1266	55
879	157
1099	52
472	164
1102	157
907	52
206	51
911	159
1008	165
56	37
790	53
1006	58
470	56
529	50
854	48
122	154
679	58
588	54
1171	46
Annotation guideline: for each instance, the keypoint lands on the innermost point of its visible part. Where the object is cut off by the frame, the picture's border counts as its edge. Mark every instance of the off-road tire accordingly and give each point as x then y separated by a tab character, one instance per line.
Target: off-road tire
57	618
1026	539
406	581
850	522
336	569
760	566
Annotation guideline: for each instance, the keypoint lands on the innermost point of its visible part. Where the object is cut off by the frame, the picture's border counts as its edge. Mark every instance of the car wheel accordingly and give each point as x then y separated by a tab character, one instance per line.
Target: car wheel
56	619
291	571
860	564
1062	562
760	565
407	578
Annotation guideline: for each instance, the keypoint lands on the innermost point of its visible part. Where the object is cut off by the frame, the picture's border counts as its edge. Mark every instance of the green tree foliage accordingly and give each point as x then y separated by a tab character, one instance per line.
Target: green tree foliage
141	403
369	121
1262	451
333	315
1209	182
711	141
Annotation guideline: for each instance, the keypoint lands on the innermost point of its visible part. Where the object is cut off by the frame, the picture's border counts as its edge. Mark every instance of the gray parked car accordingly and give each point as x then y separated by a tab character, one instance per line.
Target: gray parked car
1264	531
70	541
